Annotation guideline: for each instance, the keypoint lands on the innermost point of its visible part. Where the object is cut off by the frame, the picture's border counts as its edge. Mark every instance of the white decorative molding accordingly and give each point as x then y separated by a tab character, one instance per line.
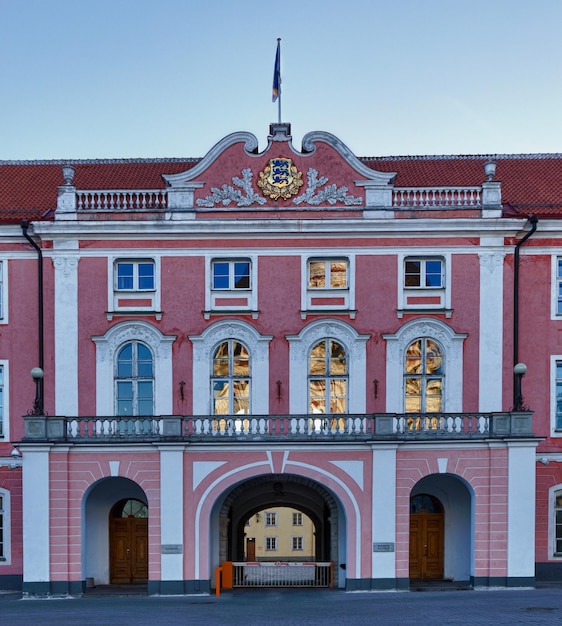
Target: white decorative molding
354	345
227	194
491	260
182	178
331	194
204	346
451	344
66	264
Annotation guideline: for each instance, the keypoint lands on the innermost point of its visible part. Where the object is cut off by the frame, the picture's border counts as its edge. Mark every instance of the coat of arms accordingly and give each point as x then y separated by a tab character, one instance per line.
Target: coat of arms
280	179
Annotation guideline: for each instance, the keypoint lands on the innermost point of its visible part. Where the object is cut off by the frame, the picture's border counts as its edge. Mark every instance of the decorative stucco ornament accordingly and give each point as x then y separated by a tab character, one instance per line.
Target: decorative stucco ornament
227	194
330	194
280	179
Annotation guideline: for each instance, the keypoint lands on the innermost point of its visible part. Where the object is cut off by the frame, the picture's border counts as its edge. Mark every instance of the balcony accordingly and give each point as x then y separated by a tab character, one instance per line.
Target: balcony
279	429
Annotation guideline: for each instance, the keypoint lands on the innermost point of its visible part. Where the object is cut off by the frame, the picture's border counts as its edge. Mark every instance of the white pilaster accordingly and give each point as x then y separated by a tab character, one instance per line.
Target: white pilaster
384	512
491	331
35	495
171	512
521	510
66	333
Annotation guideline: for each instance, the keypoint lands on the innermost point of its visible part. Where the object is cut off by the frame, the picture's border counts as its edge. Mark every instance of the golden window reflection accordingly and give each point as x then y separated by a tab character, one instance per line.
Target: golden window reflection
423	382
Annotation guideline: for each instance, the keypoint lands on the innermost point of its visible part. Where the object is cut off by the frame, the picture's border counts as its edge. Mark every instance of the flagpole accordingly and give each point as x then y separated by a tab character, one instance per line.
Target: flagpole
279	69
277	79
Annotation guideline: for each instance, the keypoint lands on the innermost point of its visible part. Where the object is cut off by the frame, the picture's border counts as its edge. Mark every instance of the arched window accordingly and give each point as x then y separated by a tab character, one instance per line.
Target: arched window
327	378
134	380
230	380
423	377
558	523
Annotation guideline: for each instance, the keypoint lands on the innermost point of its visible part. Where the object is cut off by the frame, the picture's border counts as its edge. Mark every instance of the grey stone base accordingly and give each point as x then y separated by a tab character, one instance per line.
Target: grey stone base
502	581
548	572
376	584
178	587
54	588
11	582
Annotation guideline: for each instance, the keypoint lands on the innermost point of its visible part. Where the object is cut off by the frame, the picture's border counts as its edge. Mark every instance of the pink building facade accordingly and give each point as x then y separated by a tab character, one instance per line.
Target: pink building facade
280	327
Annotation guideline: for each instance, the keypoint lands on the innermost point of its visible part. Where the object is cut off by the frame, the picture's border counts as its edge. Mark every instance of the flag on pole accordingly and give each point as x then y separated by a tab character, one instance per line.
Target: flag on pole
276	92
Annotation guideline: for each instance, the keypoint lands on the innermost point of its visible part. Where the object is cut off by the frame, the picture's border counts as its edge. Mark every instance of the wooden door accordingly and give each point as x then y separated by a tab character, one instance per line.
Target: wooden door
426	543
128	550
250	549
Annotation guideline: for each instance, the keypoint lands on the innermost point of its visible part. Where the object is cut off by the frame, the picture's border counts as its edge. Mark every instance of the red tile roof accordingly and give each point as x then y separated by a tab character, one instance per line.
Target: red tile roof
531	183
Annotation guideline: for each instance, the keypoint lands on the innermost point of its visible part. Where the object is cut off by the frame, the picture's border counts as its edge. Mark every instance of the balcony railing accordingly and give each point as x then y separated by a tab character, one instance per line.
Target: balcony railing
278	428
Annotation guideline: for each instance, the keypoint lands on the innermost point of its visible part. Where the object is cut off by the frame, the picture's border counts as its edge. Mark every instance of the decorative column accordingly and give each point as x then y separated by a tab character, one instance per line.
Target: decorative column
171	519
36	524
383	571
491	331
66	333
521	517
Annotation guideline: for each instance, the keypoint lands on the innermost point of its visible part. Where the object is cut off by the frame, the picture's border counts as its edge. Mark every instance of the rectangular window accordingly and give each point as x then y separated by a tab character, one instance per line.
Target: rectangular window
328	274
1	290
297	543
2	555
559	286
297	519
270	544
231	275
271	519
424	273
558	384
134	275
1	400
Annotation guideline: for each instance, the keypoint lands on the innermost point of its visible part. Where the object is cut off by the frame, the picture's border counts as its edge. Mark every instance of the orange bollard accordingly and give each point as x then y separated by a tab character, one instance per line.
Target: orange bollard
218	572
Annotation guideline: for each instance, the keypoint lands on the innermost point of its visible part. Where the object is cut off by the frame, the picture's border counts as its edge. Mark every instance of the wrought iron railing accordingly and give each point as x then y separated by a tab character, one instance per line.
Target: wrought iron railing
282	574
279	428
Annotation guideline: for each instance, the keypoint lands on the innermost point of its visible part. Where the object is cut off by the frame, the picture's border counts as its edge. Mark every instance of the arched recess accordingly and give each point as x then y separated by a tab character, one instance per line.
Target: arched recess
97	504
456	497
248	497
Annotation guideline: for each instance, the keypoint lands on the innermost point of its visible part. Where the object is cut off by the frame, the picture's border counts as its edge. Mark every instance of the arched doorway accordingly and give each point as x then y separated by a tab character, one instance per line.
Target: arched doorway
427	538
102	499
282	491
441	518
128	542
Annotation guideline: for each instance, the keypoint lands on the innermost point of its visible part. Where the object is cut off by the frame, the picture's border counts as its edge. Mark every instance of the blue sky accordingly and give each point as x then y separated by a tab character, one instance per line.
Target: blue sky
170	78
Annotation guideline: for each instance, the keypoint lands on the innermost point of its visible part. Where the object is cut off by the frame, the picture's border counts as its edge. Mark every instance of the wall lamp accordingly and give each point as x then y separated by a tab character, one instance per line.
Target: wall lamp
16	456
37	375
519	370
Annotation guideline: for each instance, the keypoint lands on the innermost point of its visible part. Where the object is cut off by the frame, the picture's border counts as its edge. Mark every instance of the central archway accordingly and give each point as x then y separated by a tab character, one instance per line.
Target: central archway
282	490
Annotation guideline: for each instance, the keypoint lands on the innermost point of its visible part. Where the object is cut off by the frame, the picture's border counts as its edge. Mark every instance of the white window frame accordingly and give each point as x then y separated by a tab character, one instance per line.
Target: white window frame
5	416
355	349
552	556
271	518
452	346
204	346
556	281
135	263
134	379
297	518
271	544
3	291
6	559
443	292
107	347
332	298
554	359
297	543
114	294
212	296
